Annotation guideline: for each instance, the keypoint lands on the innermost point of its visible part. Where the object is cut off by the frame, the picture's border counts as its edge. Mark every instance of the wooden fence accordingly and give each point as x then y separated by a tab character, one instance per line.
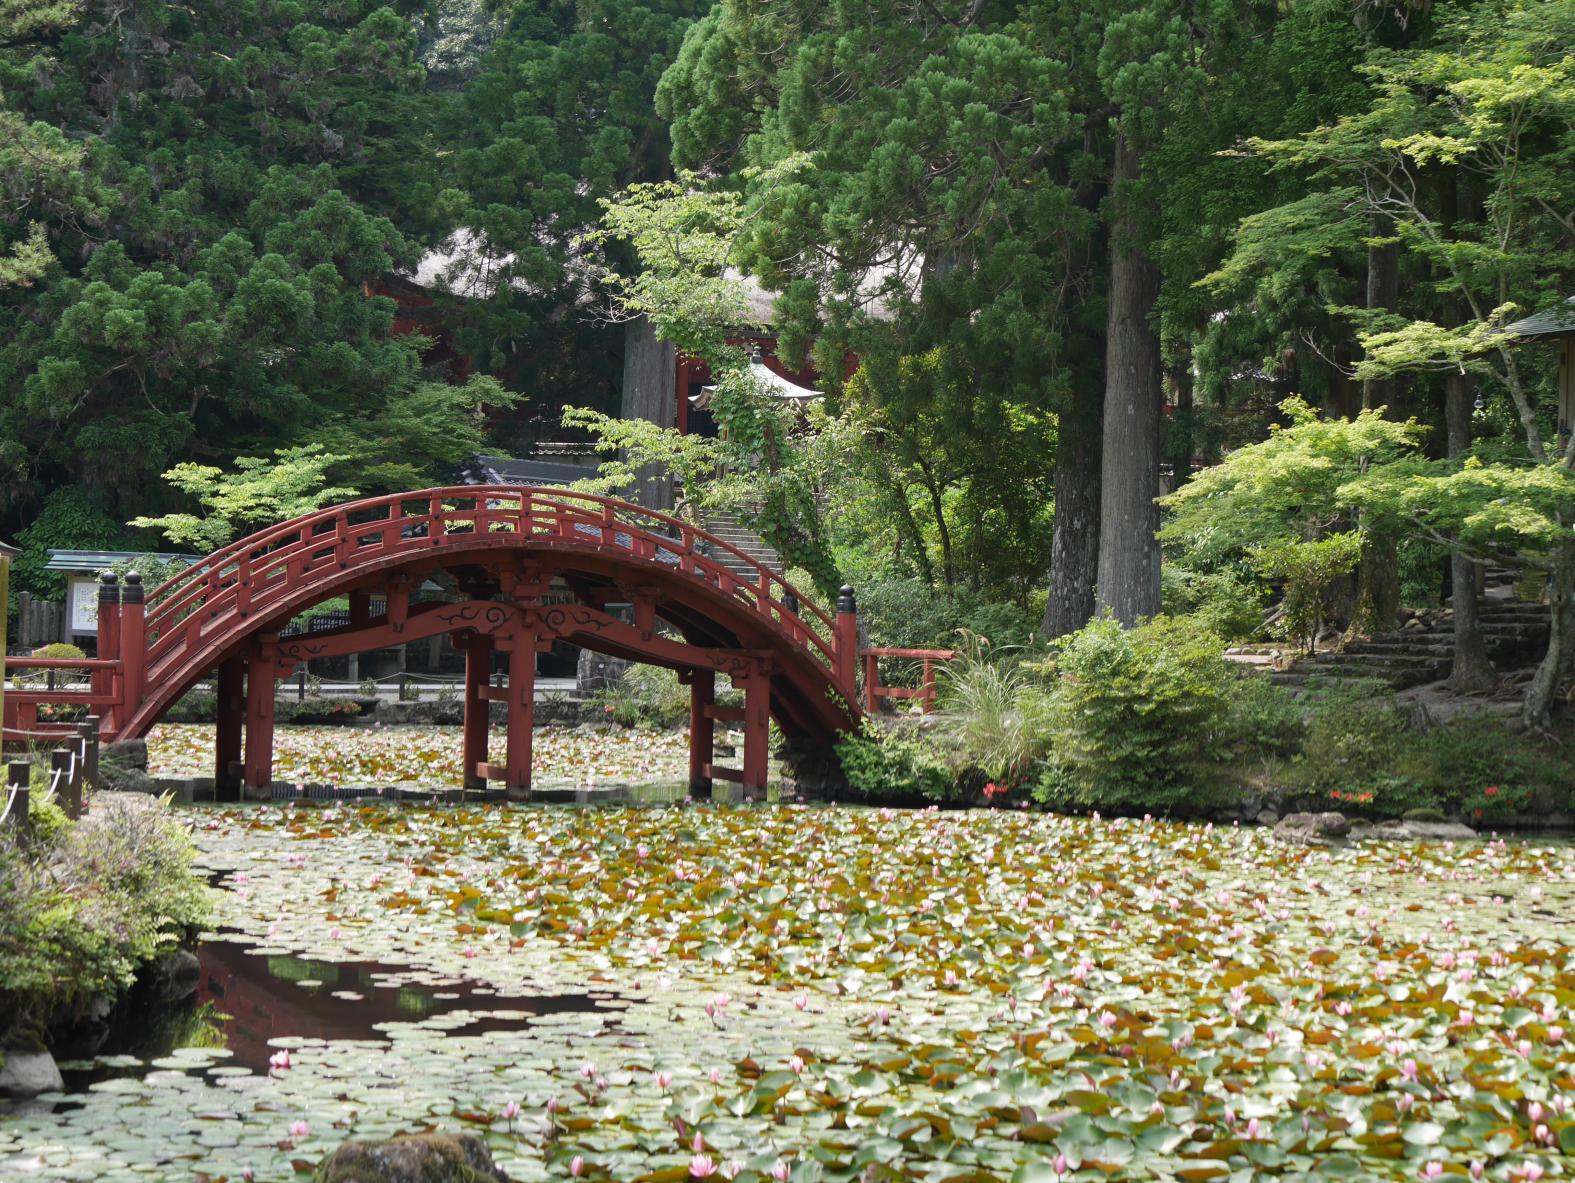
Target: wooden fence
73	766
38	622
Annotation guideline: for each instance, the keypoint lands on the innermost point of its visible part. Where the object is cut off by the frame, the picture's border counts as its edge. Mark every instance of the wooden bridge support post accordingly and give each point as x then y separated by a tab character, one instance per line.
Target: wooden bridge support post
521	697
757	730
102	681
231	713
702	731
257	777
845	639
478	671
133	646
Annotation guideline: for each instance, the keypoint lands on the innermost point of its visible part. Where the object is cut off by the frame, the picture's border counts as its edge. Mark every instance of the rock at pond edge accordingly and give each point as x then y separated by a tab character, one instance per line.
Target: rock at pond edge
1313	829
414	1158
27	1073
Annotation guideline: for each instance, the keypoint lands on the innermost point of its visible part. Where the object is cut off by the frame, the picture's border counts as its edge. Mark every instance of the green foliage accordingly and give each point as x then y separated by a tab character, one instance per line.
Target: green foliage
69	520
1142	718
1286	488
1003	708
56	649
1514	513
684	238
78	916
1308	570
1482	763
46	819
1222	601
651	696
910	614
259	492
1350	758
894	764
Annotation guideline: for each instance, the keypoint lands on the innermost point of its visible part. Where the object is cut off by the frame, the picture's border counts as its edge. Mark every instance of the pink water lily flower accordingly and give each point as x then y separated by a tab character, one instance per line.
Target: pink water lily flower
701	1166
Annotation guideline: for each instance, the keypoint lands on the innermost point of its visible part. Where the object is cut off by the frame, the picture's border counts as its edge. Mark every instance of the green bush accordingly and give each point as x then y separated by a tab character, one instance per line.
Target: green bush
1481	769
78	915
1351	756
909	614
1220	601
1143	718
46	820
651	696
59	650
893	764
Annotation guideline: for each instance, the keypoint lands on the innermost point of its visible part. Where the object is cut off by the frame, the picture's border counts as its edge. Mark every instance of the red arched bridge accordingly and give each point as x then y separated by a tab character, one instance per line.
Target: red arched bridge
510	553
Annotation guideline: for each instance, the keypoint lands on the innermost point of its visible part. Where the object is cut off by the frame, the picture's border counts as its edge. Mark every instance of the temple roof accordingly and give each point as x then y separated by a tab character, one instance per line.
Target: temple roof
1558	321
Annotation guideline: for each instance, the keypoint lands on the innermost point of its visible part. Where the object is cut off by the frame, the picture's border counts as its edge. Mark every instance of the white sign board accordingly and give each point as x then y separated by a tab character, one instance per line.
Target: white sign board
84	604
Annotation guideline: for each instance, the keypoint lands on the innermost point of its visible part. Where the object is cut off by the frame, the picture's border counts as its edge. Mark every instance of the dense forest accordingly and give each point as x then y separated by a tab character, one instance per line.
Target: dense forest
1077	253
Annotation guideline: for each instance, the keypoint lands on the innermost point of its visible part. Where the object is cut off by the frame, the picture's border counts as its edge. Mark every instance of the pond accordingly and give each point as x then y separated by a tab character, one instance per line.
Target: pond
816	992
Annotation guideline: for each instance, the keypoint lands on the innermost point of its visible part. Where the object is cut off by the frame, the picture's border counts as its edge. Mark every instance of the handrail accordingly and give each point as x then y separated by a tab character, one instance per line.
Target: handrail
247	575
61	663
925	692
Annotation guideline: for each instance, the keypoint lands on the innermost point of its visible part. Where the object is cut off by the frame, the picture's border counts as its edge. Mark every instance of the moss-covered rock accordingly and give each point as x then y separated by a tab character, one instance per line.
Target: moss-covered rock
416	1158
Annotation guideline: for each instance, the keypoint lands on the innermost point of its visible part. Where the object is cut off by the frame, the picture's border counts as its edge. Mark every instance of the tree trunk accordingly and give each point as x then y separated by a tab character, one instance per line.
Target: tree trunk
1134	400
1074	545
1378	578
649	385
1472	671
1537	712
1383	291
1179	378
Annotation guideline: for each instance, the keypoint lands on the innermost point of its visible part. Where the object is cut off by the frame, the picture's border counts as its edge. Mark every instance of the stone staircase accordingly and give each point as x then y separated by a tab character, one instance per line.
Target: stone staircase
730	530
1420	651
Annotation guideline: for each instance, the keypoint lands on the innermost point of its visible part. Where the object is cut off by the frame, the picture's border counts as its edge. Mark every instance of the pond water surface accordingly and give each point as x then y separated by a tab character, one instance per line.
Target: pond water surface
838	994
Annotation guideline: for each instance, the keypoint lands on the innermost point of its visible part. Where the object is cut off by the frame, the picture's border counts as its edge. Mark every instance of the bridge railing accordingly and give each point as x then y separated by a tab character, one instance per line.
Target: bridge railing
925	691
258	573
42	708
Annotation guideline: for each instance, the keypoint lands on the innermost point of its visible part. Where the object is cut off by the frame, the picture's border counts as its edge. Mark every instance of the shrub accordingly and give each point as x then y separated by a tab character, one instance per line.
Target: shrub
651	696
58	650
1002	707
1220	601
1264	719
1140	718
1309	570
79	915
1350	756
1458	762
909	614
893	764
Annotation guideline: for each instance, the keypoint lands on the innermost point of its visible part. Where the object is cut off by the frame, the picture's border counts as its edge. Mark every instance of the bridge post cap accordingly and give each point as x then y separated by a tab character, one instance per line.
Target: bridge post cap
108	587
845	600
132	593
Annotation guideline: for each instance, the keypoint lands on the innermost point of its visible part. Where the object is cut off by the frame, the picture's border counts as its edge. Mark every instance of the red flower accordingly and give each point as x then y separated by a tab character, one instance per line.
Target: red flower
1335	793
1491	790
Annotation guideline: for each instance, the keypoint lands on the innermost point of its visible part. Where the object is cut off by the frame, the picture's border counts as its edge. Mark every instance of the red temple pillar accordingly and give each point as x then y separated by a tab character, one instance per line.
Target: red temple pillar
478	671
702	730
522	715
261	668
231	725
